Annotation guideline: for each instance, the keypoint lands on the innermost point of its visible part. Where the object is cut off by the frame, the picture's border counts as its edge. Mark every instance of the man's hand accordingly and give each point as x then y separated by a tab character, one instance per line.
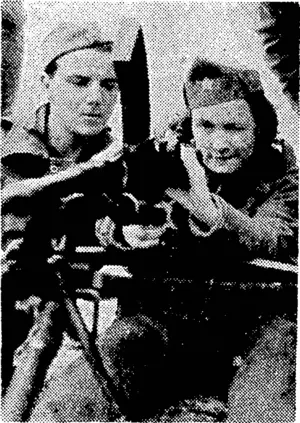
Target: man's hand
111	154
8	255
198	199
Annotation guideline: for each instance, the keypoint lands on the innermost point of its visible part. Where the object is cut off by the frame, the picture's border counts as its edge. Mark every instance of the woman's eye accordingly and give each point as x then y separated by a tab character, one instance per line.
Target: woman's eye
79	81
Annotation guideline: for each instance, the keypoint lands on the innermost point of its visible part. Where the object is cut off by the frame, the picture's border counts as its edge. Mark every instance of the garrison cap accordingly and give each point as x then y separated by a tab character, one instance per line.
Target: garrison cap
70	36
210	83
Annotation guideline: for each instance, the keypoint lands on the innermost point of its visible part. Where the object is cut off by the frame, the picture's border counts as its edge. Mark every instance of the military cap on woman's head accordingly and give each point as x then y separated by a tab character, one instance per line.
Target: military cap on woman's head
209	83
70	36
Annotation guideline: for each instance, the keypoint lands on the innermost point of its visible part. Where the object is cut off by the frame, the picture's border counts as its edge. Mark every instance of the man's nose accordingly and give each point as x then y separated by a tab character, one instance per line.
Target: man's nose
95	93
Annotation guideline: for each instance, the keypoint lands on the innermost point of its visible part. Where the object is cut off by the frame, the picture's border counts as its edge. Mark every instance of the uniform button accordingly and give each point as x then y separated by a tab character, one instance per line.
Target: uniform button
53	169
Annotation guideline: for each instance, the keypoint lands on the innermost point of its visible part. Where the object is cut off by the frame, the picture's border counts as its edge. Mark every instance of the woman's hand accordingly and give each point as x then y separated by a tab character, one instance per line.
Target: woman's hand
105	233
139	236
198	199
170	140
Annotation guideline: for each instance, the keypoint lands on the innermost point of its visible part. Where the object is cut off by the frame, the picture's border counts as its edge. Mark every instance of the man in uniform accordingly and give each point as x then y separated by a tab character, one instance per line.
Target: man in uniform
62	152
71	129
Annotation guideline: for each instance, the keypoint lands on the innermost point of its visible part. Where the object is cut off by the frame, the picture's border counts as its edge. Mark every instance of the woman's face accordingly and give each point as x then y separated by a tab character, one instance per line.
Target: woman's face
224	134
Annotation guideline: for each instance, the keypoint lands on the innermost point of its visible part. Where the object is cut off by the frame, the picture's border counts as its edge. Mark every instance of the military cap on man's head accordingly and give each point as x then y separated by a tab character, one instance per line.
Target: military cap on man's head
209	83
68	37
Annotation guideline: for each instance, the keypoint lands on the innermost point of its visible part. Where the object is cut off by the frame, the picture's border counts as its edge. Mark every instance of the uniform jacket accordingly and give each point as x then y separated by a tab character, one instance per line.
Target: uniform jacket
40	221
258	218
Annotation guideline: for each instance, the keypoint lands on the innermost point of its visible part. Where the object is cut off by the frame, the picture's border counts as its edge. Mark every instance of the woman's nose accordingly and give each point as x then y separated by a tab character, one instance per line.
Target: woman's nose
220	141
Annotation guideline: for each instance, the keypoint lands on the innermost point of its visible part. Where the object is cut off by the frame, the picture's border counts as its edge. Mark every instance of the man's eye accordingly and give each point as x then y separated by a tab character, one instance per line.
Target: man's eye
110	85
234	127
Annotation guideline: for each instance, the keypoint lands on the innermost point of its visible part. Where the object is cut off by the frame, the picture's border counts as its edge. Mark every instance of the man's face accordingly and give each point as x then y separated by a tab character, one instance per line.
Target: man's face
224	134
83	91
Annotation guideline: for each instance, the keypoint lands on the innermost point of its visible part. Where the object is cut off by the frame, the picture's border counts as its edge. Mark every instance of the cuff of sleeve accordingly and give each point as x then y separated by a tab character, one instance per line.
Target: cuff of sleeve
219	223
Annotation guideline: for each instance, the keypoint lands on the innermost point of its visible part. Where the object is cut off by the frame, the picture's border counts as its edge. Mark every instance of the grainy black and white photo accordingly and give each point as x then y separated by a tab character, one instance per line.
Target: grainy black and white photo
149	211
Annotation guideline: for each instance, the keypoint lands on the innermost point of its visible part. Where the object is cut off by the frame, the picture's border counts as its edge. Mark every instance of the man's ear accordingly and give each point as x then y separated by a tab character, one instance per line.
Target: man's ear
45	79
